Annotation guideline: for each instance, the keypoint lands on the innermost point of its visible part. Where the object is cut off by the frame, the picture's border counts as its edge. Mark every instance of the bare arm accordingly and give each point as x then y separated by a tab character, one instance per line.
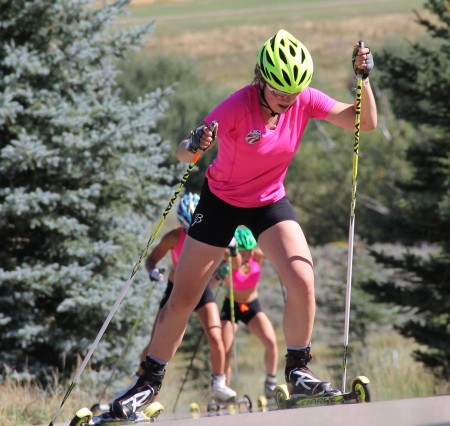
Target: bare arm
168	242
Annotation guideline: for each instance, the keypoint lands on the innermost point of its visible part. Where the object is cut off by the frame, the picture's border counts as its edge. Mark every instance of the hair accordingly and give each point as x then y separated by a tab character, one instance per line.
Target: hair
257	77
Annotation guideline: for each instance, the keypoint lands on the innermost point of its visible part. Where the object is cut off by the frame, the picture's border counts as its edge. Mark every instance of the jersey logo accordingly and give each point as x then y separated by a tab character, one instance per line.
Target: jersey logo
254	136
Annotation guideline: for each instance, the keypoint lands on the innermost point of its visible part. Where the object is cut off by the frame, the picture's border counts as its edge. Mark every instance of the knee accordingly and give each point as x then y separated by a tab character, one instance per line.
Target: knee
271	345
301	286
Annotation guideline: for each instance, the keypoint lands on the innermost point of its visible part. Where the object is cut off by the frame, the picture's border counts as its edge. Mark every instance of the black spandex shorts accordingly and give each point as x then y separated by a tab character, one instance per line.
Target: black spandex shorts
242	311
215	221
207	296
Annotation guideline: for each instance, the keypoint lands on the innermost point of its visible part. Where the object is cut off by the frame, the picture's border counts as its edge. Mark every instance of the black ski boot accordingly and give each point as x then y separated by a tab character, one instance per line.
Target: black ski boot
142	392
301	381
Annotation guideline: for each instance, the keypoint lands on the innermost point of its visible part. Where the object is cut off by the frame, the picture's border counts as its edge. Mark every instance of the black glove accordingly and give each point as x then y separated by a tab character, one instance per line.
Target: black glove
196	134
369	62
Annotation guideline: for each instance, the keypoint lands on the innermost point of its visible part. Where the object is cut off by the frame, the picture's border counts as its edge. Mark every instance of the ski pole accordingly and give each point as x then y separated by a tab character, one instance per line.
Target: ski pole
194	355
130	336
233	318
130	280
351	233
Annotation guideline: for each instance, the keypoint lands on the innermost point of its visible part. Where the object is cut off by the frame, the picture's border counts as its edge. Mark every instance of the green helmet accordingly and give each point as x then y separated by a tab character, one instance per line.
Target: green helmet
285	63
245	239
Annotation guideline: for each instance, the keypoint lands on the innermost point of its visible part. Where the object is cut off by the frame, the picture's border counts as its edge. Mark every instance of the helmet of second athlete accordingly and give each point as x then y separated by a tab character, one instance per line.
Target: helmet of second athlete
186	209
285	63
245	239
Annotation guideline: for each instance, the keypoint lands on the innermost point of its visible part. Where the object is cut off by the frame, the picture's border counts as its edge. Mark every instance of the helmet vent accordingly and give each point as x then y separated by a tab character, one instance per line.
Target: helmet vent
286	77
303	77
293	51
269	59
276	79
272	42
282	56
295	71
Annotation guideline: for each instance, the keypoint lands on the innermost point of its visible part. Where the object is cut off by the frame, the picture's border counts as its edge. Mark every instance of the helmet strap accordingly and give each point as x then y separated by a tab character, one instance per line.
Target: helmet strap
263	102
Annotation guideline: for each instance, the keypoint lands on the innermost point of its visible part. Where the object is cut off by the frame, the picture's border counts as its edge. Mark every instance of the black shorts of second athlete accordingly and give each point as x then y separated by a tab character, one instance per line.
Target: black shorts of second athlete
215	221
207	296
244	312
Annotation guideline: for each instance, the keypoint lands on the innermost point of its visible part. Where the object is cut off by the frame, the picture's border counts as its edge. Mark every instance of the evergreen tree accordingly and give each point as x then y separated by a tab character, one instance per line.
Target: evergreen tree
418	80
192	98
81	178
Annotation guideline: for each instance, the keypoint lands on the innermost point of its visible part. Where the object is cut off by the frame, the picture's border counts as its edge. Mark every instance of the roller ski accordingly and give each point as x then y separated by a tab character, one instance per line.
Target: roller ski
303	389
134	405
218	408
223	400
85	417
233	406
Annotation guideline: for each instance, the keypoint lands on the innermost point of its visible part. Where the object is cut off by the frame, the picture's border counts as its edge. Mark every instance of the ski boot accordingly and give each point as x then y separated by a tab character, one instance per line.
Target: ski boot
301	381
219	390
141	393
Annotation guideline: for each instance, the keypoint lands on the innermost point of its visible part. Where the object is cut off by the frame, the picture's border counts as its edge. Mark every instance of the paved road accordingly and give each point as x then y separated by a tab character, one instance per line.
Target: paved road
431	411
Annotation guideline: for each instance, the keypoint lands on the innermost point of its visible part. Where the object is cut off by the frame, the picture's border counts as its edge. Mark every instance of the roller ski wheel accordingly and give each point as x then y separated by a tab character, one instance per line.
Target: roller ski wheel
360	393
82	417
282	396
361	389
153	411
194	408
265	403
262	403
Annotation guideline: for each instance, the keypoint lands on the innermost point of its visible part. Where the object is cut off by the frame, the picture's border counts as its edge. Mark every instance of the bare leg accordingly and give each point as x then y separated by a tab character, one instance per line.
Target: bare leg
262	328
228	337
210	320
145	351
284	244
195	266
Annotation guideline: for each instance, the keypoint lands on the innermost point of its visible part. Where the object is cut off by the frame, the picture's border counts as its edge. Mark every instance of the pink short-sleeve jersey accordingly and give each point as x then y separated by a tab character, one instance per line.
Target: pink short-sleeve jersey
252	160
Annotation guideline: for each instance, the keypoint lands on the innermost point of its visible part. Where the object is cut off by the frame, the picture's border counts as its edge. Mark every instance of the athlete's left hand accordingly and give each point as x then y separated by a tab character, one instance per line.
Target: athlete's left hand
362	61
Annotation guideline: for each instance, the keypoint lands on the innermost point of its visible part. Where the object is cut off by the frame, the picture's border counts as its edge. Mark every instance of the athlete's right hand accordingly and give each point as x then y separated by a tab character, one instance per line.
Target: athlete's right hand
202	137
156	275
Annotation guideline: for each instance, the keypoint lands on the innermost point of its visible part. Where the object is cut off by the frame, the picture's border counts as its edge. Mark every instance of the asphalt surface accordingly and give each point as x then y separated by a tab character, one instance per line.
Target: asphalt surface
430	411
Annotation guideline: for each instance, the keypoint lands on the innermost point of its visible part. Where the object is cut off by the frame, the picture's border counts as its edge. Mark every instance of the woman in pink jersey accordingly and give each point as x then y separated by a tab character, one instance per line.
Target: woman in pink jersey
246	265
206	309
259	131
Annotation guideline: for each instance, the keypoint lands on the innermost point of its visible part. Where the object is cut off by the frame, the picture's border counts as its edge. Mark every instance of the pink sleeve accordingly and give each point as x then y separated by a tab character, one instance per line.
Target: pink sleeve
223	114
320	104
